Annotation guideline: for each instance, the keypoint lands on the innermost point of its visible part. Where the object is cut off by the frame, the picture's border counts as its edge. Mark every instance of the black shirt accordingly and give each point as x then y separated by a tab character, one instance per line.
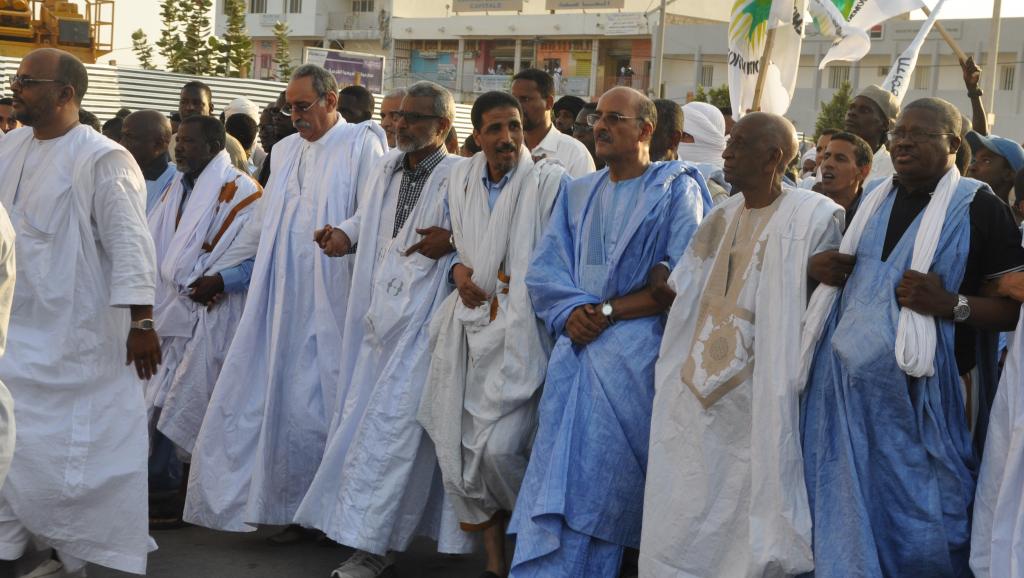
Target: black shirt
995	249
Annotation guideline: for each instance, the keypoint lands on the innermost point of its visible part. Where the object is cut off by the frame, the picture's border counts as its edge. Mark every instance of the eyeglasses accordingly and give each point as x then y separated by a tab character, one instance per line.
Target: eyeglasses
27	81
413	117
914	136
611	118
288	110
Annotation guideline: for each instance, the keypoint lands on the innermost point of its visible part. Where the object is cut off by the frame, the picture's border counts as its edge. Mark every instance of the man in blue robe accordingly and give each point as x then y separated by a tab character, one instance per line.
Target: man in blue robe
888	461
581	501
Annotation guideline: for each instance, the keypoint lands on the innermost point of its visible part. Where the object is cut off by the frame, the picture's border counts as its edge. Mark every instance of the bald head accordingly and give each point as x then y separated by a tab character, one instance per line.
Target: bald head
62	66
773	132
146	134
760	147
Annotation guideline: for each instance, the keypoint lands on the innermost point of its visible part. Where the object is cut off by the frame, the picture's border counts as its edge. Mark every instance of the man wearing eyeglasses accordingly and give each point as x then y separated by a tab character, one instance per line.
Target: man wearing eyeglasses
888	455
82	309
535	90
580	505
266	426
399	280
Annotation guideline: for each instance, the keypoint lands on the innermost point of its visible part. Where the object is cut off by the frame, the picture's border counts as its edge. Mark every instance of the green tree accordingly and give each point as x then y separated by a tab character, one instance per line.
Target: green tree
171	42
143	50
716	96
197	53
282	56
235	45
833	112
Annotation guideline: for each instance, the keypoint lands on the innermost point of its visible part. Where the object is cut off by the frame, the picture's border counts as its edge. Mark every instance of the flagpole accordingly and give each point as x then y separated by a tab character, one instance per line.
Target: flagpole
762	72
993	72
961	56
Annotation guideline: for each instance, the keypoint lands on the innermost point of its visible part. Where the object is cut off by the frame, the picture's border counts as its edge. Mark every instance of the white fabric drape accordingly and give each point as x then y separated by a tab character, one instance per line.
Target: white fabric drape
705	123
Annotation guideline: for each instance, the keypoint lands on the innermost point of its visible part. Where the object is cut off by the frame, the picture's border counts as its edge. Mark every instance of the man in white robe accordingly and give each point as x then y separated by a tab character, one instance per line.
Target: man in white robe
86	271
266	426
400	278
724	491
535	90
480	405
199	296
871	115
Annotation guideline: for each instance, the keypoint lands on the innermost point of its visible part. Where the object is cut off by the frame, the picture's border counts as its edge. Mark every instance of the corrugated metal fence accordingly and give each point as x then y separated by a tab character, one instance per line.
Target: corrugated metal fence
111	88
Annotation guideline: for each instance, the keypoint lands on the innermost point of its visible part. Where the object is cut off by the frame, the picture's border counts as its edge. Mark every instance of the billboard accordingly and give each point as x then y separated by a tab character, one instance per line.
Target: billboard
350	67
487	5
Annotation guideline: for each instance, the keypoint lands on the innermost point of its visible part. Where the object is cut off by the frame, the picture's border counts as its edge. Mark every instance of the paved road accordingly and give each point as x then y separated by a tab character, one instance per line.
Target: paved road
200	553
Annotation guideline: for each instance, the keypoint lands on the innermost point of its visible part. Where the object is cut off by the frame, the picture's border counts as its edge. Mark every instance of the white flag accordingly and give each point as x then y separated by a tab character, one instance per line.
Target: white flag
748	31
900	71
848	22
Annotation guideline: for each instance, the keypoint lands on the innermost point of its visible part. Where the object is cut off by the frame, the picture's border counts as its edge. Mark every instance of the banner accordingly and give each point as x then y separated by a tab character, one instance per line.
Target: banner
899	73
848	23
487	5
748	30
489	82
350	67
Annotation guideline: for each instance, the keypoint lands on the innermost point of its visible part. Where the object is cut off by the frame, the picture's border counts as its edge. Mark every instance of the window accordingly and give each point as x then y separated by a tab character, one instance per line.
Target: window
875	33
1006	74
921	75
883	71
837	75
257	6
707	76
294	6
362	5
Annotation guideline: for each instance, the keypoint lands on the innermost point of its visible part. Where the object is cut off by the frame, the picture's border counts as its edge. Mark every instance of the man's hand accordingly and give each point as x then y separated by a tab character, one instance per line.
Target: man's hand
333	242
585	324
434	243
144	351
657	282
924	294
831	267
972	73
206	289
1008	285
472	296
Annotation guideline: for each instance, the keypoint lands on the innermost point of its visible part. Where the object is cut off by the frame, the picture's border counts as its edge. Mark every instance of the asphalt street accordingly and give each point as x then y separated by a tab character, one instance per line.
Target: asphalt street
194	552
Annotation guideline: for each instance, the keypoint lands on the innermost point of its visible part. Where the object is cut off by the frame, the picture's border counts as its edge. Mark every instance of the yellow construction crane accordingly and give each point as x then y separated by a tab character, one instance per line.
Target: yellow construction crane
85	28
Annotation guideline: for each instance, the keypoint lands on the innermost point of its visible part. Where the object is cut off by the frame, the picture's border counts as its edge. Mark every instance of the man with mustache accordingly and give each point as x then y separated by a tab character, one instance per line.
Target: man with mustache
724	434
266	426
388	113
535	91
888	456
82	308
588	284
400	278
480	403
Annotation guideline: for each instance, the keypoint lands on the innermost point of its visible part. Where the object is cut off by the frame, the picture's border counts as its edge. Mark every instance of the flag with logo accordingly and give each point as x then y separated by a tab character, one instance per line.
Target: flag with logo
847	22
749	23
899	73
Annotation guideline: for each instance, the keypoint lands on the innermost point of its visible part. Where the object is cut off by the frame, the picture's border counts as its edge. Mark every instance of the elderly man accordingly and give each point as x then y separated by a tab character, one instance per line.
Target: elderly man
355	104
78	480
490	352
584	133
728	372
146	135
588	284
995	161
887	450
845	164
266	426
8	121
535	91
870	116
702	144
200	292
388	113
669	132
400	279
196	98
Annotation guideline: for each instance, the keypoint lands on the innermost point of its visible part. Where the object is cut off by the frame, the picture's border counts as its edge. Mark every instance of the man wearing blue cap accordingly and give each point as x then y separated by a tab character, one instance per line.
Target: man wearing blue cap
996	161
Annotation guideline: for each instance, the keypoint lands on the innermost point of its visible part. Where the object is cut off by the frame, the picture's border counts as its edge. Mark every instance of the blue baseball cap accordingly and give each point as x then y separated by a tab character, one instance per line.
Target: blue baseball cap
1004	147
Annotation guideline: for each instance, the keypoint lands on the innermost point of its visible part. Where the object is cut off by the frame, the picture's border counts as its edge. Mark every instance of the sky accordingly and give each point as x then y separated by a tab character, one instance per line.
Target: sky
131	15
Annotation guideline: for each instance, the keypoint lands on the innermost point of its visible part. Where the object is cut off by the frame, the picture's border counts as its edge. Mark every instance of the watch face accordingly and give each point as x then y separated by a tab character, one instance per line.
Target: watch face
606	310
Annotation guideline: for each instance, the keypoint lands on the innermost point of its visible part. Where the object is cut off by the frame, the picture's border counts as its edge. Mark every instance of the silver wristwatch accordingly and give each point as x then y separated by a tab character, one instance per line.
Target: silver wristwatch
962	310
608	311
451	240
143	324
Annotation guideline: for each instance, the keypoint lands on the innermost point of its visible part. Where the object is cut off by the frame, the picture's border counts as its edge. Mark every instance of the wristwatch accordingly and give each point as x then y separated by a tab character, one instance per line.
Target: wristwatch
451	240
143	324
962	310
608	311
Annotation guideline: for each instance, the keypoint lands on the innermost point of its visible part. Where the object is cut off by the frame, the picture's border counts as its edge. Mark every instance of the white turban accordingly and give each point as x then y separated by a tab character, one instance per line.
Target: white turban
810	155
706	125
243	106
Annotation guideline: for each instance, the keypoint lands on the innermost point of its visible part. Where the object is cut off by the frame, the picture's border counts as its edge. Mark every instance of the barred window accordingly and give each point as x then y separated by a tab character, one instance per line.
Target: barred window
1006	76
837	75
257	6
707	75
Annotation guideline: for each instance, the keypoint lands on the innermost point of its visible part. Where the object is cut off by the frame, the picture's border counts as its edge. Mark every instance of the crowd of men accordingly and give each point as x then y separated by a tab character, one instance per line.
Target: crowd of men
618	338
